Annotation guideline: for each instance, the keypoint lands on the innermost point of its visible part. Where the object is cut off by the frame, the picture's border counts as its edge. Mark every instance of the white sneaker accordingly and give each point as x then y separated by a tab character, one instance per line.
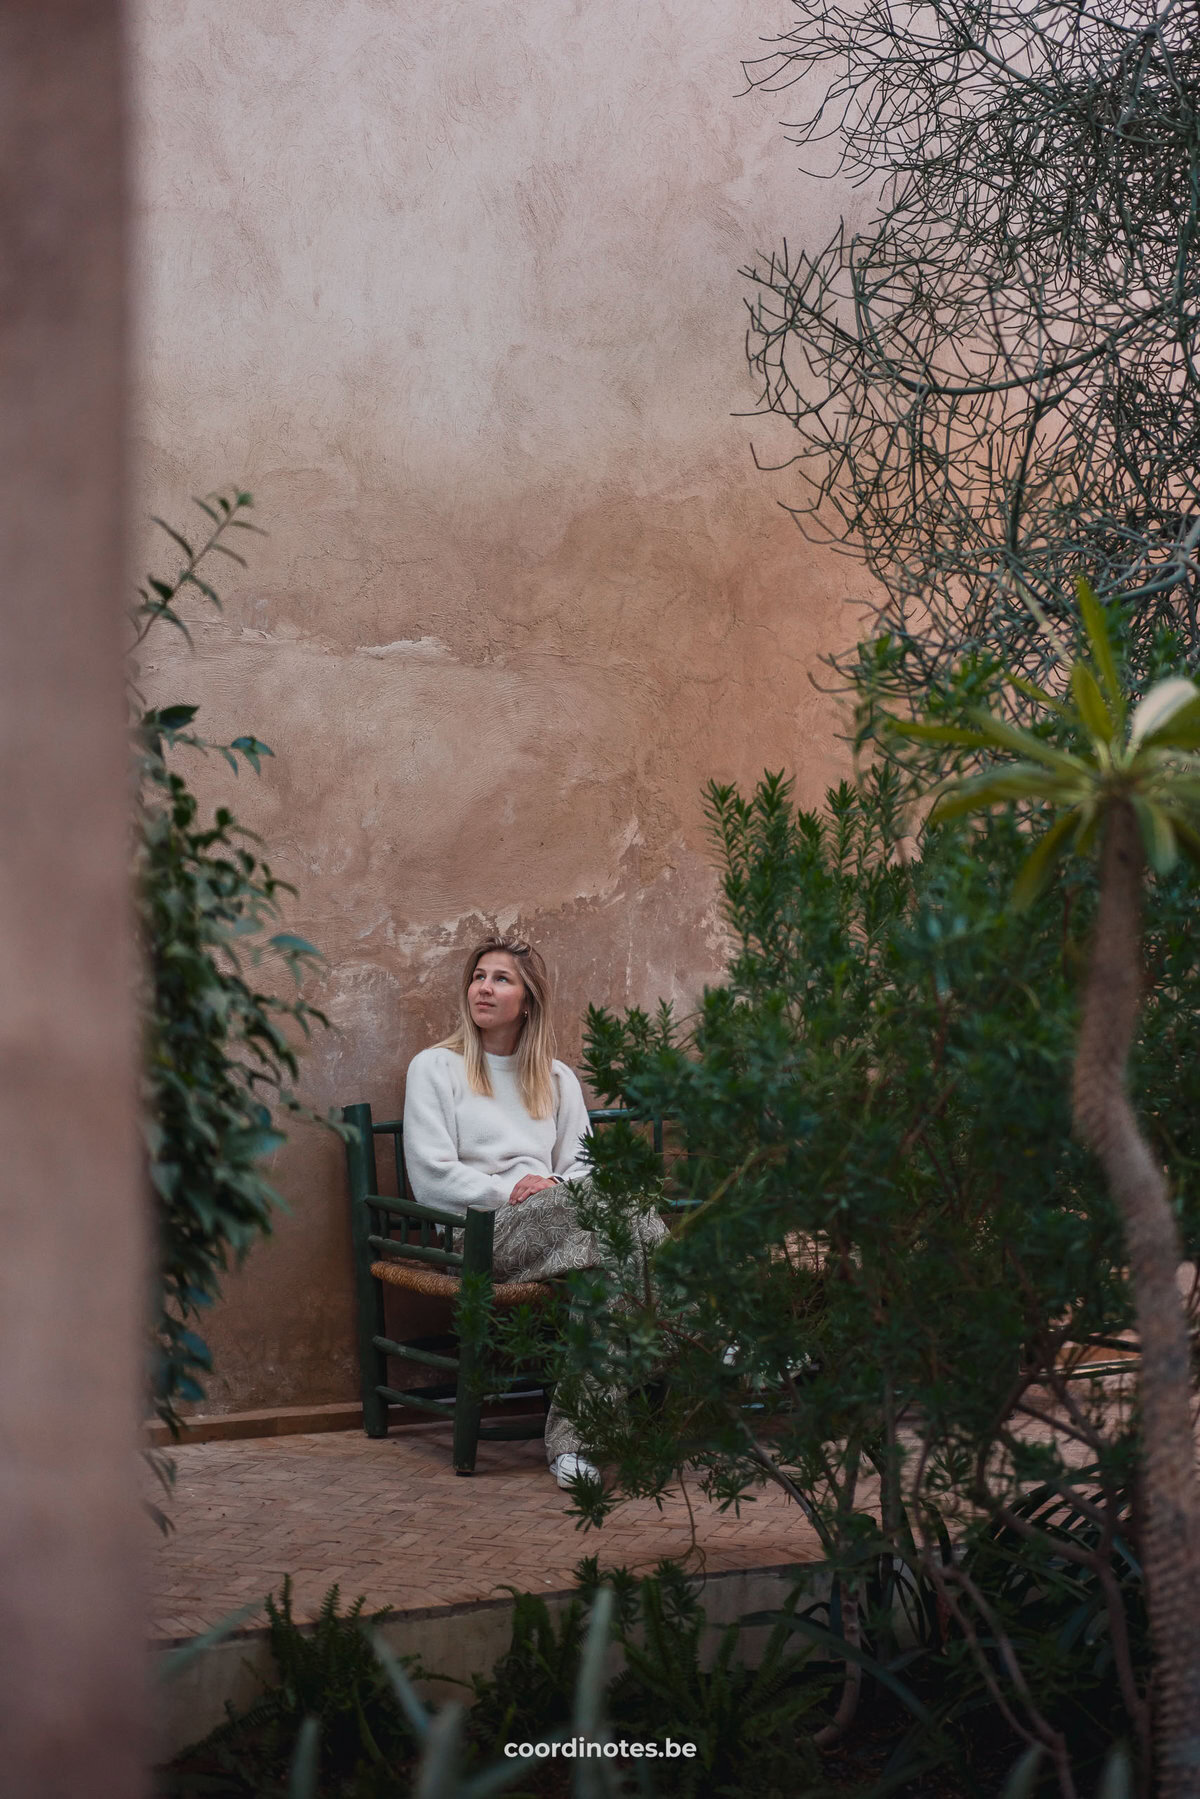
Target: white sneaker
568	1468
795	1370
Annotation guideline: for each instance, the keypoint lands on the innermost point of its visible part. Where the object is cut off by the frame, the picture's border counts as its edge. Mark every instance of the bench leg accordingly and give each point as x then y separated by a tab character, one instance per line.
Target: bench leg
368	1292
467	1413
375	1412
372	1361
468	1407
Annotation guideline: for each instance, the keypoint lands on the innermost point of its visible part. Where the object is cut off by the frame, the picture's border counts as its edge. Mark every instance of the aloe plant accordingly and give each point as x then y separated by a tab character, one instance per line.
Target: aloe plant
1131	789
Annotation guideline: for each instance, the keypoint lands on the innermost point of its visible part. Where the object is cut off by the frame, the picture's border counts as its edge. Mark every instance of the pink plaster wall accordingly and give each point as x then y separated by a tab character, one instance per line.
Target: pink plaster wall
453	289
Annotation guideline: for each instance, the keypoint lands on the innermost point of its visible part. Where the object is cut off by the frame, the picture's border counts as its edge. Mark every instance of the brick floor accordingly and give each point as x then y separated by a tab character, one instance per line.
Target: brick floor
388	1518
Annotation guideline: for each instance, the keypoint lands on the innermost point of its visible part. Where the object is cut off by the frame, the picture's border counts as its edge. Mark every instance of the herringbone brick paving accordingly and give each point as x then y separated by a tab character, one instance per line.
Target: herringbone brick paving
388	1519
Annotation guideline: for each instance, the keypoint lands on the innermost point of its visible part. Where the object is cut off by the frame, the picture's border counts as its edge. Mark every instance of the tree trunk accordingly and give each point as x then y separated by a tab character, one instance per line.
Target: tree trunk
1105	1119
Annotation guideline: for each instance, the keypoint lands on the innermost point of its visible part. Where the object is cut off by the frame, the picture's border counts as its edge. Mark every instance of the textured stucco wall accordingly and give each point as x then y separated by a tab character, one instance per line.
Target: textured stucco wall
454	291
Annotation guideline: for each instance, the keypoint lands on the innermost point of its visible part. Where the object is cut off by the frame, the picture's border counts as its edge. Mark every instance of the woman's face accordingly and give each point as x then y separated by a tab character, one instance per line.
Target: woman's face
496	994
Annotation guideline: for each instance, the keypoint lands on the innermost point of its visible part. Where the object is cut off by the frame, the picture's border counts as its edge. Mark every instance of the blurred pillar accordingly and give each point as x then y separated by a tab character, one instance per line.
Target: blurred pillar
71	1250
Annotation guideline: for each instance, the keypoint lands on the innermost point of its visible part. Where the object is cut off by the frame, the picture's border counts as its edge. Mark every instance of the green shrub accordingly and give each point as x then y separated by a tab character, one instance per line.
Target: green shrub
744	1721
220	1048
341	1718
748	1723
531	1689
329	1673
890	1250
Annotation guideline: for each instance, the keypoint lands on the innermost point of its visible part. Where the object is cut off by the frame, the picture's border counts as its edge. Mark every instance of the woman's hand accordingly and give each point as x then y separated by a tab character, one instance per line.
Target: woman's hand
529	1183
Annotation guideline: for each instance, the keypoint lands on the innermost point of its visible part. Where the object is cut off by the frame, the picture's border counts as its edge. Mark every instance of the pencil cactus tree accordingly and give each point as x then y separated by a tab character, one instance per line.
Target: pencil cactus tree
1129	788
991	366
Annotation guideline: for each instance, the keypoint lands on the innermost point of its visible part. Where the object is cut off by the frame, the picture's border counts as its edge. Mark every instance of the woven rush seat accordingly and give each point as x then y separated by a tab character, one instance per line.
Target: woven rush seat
416	1278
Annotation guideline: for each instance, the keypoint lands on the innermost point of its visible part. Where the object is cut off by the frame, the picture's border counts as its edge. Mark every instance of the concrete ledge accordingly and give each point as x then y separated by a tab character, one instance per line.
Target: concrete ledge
294	1421
279	1421
456	1641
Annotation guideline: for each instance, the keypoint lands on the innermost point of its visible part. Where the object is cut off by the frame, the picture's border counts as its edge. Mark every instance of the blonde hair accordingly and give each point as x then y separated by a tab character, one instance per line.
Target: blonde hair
535	1046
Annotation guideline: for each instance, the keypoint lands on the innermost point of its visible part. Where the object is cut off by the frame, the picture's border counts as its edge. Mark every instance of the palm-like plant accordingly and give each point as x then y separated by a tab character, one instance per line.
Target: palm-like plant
1132	787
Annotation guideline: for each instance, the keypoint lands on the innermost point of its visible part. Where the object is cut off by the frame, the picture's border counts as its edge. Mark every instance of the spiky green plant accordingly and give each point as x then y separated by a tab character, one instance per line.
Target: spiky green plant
745	1721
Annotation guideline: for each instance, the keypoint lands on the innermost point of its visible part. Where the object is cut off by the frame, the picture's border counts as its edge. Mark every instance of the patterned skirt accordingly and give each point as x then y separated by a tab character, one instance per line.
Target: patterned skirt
542	1237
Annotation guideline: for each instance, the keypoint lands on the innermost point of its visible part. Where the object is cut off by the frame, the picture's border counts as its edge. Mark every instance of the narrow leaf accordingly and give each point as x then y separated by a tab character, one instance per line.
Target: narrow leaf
1023	1779
177	1659
1016	783
1096	626
1166	701
845	1651
223	549
1179	792
1085	835
402	1686
1116	1782
437	1776
1032	691
296	946
170	530
1095	714
589	1687
174	718
210	593
1158	835
501	1775
1189	839
923	733
302	1779
1038	865
1181	732
171	618
1002	735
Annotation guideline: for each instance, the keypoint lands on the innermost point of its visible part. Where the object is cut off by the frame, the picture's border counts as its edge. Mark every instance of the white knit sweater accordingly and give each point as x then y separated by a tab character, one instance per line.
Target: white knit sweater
463	1149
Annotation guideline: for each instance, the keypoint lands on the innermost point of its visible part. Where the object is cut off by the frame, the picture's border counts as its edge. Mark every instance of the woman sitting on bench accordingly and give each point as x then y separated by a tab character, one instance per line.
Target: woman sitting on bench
491	1119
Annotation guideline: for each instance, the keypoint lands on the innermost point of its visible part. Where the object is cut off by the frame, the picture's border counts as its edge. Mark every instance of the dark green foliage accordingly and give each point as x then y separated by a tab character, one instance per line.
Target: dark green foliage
531	1689
893	1252
1053	1608
1040	1595
220	1048
745	1721
217	1054
514	1344
330	1674
748	1723
1170	1025
839	1104
344	1721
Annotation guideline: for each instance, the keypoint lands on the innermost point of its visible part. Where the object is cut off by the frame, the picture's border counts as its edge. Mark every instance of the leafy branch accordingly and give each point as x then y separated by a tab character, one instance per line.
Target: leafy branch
221	1050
